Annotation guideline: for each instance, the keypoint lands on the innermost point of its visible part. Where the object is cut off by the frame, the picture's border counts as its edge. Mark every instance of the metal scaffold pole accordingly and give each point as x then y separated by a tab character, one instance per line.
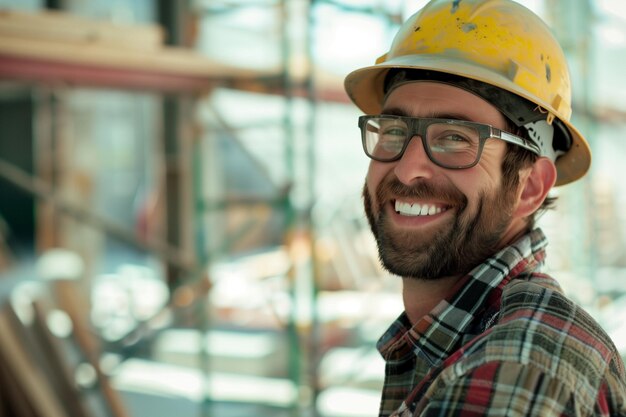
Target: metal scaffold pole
314	334
290	215
299	122
573	29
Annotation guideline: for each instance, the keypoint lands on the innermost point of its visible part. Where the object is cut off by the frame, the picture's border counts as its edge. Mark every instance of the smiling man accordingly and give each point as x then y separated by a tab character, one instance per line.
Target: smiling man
468	128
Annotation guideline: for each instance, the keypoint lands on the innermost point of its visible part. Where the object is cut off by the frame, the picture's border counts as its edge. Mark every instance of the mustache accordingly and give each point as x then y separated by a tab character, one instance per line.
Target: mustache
391	186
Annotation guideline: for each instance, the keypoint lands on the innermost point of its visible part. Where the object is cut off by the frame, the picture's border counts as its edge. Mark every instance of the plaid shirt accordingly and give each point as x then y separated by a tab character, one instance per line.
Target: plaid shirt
507	343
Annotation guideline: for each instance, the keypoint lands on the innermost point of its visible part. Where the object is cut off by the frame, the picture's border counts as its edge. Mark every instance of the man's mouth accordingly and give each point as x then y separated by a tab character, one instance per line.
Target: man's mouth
419	209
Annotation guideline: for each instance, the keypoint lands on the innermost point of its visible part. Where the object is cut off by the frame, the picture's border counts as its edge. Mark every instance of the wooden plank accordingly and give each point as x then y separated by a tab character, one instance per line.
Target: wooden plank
167	59
73	302
56	365
59	48
13	402
22	368
64	74
68	28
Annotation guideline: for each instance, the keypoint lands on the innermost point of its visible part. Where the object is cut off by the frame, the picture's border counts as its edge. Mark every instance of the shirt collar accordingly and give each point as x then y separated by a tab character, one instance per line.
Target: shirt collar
435	336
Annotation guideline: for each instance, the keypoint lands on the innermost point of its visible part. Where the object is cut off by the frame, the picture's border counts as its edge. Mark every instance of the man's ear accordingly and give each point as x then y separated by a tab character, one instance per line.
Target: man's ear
535	183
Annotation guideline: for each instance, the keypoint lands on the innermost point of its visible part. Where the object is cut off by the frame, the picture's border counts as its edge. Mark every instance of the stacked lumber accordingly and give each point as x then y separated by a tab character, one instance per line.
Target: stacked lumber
59	47
49	375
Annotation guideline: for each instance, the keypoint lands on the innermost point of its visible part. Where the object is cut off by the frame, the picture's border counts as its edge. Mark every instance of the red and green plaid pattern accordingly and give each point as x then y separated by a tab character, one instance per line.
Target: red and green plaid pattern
508	343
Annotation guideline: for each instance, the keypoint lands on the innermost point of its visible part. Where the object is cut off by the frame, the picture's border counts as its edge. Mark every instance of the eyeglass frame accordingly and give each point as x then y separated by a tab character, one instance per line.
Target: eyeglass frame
417	126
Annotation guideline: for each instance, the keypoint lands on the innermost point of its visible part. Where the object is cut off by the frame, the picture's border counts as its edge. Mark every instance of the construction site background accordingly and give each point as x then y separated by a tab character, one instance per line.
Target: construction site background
181	227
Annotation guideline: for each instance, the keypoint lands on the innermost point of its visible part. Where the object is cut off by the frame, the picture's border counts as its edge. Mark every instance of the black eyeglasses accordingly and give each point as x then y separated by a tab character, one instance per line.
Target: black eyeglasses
449	143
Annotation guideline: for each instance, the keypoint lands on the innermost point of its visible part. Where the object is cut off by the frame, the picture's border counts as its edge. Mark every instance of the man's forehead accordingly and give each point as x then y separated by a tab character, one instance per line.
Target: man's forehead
437	99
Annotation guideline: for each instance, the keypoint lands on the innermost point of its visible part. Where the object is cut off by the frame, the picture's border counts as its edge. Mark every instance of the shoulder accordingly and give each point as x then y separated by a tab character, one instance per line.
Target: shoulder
541	335
538	319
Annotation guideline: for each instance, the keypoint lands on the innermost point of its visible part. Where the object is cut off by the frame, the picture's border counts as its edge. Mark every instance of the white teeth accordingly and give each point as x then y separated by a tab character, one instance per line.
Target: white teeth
407	209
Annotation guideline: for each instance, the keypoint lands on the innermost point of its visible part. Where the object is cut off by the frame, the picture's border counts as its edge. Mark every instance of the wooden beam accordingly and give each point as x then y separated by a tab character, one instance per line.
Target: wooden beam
61	48
72	74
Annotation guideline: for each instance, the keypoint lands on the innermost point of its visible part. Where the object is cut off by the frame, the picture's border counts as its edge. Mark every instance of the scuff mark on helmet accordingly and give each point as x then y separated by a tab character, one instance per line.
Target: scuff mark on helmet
455	6
548	73
468	27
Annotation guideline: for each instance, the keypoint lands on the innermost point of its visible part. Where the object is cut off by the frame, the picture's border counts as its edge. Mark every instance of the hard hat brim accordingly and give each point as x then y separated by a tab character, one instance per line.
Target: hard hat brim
365	88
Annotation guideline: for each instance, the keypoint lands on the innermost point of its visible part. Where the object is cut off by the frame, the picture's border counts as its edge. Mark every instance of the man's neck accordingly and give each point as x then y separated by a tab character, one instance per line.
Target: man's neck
421	296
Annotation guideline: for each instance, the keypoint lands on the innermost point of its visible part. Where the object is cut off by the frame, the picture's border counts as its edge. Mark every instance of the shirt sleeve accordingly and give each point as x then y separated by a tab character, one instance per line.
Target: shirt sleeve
502	389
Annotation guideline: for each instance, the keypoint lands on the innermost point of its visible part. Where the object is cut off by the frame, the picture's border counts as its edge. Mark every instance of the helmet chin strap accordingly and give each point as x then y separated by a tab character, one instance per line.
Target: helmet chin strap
542	133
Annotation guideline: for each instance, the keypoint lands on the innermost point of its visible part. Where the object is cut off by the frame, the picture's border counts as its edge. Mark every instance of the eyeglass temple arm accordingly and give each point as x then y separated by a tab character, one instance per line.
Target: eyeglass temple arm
524	143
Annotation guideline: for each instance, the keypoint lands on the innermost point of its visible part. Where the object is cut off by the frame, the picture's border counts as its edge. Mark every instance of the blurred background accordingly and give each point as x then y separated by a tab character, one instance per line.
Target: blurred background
181	230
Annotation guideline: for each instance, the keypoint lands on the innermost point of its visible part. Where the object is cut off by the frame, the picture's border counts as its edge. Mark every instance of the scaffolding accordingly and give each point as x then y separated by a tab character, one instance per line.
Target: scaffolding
52	61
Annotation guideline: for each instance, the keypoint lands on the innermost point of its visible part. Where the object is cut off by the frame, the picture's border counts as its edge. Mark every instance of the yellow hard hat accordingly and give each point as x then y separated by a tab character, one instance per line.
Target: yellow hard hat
495	42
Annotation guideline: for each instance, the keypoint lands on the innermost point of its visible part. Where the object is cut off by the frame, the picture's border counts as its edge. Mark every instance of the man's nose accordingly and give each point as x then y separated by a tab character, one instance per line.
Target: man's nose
415	163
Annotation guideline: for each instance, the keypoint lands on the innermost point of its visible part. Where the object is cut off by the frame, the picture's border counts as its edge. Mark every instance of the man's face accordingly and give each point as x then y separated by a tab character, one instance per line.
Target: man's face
463	214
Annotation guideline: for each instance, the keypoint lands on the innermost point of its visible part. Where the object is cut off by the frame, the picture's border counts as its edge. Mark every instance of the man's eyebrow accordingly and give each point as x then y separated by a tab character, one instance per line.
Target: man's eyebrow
396	111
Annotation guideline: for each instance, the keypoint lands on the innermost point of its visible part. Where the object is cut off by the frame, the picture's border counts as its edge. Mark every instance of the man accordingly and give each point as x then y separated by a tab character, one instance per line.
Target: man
468	129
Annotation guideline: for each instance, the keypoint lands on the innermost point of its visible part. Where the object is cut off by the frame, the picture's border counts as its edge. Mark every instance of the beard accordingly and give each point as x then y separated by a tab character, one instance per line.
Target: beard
451	249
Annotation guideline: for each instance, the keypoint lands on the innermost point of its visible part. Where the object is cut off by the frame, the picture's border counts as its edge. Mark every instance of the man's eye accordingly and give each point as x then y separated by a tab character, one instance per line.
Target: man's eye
451	141
455	137
394	131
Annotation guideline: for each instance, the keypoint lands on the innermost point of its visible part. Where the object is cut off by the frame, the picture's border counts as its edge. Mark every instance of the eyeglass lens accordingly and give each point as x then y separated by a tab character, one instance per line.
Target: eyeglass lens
447	144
